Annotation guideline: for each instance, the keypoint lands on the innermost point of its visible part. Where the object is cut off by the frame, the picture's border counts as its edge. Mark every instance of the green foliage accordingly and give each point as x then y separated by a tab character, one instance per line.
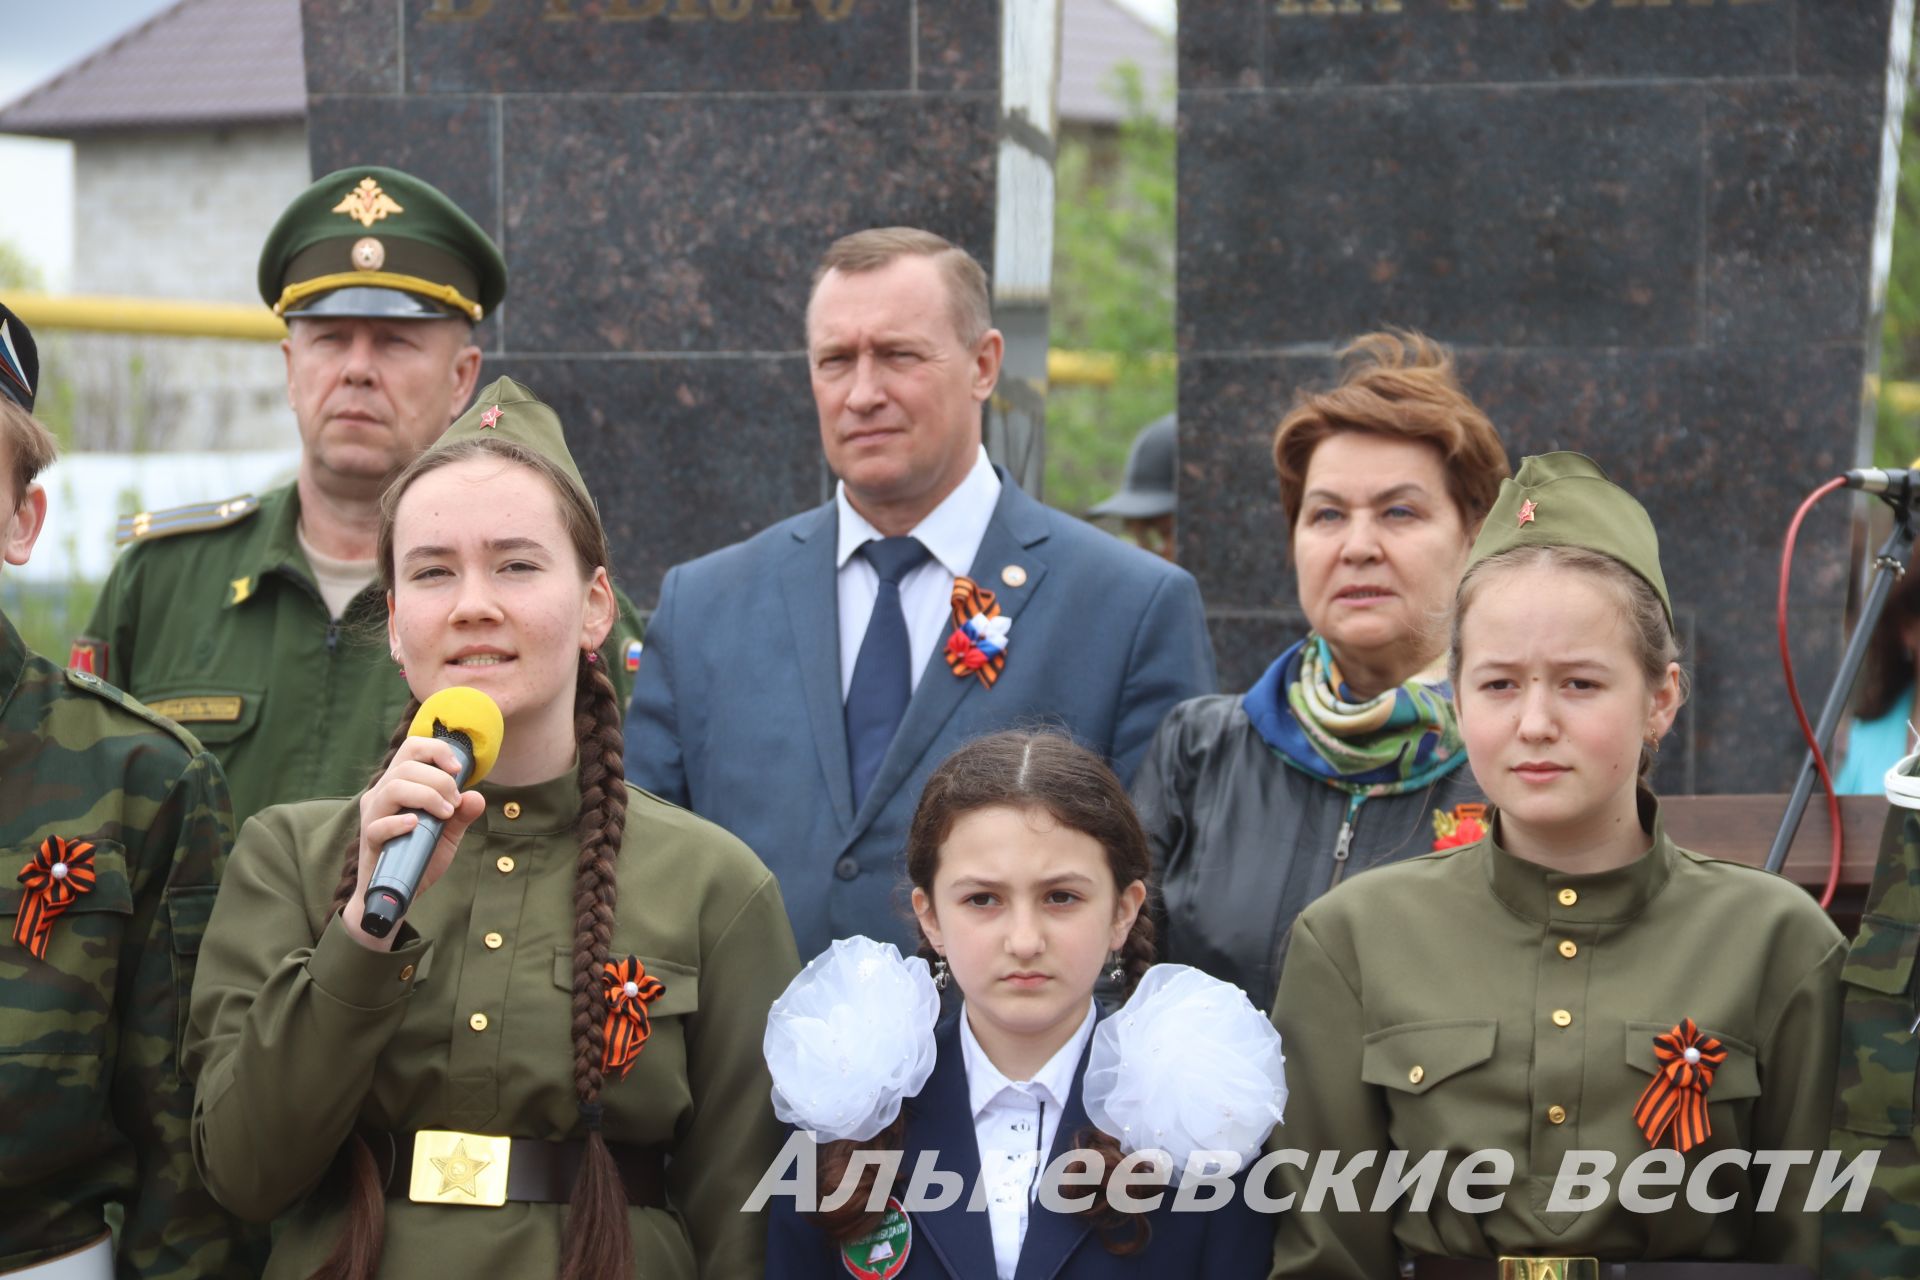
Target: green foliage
1112	292
17	270
48	615
1897	434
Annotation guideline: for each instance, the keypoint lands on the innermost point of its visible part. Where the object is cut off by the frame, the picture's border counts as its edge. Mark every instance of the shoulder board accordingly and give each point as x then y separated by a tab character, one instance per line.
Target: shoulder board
195	517
93	684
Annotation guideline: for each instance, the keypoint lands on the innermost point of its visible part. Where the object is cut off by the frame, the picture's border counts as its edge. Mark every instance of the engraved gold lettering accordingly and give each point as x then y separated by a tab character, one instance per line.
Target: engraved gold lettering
732	10
833	10
782	11
455	11
1291	8
558	11
1460	6
634	10
1386	6
1513	4
687	11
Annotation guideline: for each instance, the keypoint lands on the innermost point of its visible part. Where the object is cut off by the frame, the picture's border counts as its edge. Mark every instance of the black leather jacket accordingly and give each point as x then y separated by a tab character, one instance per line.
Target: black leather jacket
1242	841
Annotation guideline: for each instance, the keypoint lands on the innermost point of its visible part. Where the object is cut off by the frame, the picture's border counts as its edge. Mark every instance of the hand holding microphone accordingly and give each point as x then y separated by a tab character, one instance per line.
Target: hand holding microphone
416	814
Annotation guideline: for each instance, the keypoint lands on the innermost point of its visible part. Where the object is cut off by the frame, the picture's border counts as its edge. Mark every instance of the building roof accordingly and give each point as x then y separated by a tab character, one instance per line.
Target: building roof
225	62
197	63
1096	37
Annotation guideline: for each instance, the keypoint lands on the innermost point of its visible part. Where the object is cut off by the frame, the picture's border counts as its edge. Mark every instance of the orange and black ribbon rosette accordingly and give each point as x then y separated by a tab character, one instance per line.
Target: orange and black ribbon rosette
52	881
629	989
978	645
1675	1101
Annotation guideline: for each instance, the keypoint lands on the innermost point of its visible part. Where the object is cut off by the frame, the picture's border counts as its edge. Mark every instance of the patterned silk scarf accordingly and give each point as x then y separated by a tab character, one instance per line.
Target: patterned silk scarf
1399	741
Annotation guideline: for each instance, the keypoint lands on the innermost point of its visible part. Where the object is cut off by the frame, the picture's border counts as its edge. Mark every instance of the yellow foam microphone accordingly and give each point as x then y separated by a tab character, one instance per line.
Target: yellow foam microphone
468	721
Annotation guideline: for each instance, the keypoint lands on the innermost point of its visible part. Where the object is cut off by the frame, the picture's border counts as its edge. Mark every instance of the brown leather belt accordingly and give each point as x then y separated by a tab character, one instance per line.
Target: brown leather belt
1587	1268
443	1166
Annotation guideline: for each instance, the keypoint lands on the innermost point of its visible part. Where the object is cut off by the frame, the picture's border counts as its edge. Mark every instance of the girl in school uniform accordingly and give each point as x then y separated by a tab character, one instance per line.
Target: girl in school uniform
1570	986
1029	871
551	1065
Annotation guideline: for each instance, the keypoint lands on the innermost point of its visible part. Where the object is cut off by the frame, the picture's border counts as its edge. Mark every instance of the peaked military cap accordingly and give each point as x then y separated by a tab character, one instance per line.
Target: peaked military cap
19	360
1566	500
378	243
506	410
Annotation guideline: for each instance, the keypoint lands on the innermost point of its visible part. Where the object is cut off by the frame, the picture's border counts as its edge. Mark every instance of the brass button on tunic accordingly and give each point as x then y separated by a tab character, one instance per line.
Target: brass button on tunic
362	1050
1521	1051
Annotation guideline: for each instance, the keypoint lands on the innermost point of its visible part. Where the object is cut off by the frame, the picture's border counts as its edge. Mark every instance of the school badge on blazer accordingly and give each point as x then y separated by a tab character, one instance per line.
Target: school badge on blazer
881	1254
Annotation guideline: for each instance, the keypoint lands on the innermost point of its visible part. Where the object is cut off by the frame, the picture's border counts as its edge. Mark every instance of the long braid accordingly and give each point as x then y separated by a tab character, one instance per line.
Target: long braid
356	1254
598	1245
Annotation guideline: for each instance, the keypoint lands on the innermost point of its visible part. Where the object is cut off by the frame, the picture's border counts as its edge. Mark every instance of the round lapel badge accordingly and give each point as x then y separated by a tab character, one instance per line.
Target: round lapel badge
369	254
881	1254
1014	576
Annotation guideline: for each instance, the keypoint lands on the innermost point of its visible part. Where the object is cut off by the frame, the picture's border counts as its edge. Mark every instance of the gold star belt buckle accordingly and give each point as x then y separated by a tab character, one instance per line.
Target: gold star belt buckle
1549	1269
450	1167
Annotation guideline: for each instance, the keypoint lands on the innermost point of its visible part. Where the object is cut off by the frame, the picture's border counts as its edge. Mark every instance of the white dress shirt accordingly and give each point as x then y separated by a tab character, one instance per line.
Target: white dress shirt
952	532
1015	1121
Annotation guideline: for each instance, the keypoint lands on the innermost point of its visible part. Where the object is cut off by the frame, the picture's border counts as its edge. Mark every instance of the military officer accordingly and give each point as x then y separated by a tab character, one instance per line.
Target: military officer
113	829
1878	1080
1570	982
557	1054
255	621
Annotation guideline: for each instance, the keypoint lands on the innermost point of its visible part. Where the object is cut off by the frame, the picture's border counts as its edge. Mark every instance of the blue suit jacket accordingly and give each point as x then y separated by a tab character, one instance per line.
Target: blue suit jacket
737	713
1229	1243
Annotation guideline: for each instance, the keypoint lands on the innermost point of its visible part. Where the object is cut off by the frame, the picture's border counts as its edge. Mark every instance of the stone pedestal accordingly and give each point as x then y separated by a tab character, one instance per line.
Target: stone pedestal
662	176
1646	228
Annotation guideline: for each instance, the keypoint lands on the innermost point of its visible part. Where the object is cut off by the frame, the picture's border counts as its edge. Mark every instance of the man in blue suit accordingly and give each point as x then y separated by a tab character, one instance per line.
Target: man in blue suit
799	687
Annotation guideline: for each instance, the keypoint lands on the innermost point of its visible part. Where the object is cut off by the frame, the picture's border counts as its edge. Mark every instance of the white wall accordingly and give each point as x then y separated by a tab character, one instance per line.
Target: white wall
180	215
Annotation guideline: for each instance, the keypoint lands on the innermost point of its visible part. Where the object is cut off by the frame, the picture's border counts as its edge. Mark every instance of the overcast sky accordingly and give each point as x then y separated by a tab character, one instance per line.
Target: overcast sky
36	177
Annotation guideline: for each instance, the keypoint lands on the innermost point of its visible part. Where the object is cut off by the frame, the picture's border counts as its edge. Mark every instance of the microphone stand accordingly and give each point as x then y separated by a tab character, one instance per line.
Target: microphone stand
1888	564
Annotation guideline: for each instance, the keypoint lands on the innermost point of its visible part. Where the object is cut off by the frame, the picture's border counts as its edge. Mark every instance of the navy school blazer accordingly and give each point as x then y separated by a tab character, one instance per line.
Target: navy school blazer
1227	1243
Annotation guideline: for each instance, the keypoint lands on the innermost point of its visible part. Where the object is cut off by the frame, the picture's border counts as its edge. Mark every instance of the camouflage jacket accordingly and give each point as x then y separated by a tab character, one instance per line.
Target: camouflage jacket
1878	1085
97	1110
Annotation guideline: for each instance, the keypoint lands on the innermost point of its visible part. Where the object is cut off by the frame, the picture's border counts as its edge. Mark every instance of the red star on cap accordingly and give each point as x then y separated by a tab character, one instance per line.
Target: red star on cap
1526	512
492	416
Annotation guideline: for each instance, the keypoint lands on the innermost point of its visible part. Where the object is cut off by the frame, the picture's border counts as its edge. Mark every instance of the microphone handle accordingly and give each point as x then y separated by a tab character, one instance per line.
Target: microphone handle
403	859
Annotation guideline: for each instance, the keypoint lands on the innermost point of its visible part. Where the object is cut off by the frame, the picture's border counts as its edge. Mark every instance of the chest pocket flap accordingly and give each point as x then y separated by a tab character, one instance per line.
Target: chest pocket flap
1737	1077
682	983
1881	958
1416	1056
110	891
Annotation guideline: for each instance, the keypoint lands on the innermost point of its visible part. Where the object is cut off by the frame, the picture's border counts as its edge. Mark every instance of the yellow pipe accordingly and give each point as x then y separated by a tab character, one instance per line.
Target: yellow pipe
253	323
1093	368
257	324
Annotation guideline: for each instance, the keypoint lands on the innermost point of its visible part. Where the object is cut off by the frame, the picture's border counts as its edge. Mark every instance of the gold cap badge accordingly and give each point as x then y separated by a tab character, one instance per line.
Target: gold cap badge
369	254
367	204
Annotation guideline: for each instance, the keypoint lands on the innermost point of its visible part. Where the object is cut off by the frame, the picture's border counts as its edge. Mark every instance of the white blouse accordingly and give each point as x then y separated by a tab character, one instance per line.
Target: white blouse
1015	1121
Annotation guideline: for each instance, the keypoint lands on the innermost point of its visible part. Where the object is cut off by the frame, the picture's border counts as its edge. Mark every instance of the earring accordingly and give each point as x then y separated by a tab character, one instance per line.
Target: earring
1118	970
940	974
593	658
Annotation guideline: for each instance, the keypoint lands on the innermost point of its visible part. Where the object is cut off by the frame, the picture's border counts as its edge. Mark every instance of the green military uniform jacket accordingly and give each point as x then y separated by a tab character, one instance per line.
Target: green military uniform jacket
1470	999
300	1034
1878	1081
97	1110
213	619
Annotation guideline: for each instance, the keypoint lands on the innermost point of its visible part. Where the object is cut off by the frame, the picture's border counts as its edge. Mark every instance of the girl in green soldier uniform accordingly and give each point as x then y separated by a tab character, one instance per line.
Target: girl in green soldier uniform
553	1063
1570	987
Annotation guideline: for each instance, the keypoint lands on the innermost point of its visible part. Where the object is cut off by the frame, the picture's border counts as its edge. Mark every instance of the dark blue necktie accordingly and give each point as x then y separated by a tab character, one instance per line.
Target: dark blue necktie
883	673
